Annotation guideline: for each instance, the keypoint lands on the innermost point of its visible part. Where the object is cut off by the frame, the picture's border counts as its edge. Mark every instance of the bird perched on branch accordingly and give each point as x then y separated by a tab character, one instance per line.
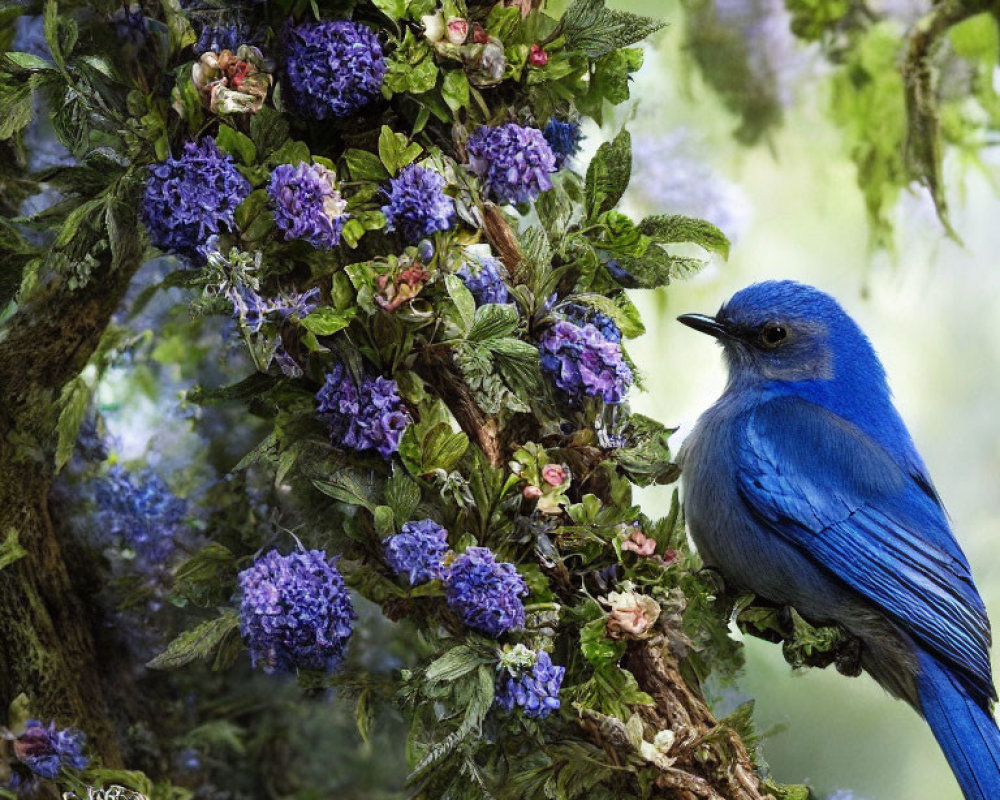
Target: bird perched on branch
803	486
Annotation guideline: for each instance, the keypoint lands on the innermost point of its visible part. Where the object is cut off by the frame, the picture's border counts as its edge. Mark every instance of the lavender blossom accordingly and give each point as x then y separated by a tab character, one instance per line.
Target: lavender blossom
514	162
192	198
307	204
295	612
418	206
417	550
484	277
334	69
583	362
485	592
369	416
45	750
535	689
564	139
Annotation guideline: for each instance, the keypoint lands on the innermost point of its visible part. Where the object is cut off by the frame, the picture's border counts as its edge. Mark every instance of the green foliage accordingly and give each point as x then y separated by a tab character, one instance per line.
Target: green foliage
198	643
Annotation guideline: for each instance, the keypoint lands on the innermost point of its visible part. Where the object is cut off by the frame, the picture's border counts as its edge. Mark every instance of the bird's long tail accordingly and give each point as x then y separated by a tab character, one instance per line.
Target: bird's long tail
967	733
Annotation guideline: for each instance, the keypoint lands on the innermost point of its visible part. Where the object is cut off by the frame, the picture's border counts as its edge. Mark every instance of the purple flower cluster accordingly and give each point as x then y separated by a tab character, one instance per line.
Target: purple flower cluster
307	204
484	278
45	750
366	417
564	139
253	310
139	512
514	162
192	198
417	550
334	69
579	314
485	592
130	27
583	362
535	691
295	612
418	206
216	38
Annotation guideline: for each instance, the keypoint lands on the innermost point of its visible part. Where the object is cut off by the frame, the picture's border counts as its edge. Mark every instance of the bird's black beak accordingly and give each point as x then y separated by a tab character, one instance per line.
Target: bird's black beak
706	324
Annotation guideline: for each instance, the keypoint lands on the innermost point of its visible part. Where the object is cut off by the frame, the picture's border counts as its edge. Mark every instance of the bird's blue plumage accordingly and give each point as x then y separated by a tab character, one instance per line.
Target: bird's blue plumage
803	485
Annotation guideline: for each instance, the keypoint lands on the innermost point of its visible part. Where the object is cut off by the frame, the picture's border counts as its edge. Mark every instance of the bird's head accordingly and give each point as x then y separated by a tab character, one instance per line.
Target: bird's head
787	331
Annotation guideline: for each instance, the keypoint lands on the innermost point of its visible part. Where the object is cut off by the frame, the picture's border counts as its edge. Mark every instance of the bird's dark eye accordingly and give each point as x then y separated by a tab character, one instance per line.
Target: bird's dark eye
772	334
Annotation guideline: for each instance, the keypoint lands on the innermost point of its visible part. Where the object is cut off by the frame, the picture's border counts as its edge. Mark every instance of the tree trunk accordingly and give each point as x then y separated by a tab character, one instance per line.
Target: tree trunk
46	646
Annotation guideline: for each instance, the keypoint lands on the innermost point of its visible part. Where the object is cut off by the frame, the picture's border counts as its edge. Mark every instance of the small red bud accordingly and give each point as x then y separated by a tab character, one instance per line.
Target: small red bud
479	34
537	57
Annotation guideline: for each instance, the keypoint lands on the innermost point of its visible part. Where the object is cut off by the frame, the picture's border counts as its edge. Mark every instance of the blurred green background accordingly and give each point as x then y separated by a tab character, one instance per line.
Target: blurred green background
793	208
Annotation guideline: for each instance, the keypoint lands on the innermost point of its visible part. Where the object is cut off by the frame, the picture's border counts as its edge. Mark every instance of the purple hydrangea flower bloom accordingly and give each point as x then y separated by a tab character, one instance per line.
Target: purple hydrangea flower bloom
484	278
216	38
514	163
140	512
583	362
485	592
45	750
334	69
418	206
366	417
536	692
564	139
417	550
579	314
307	204
295	612
192	198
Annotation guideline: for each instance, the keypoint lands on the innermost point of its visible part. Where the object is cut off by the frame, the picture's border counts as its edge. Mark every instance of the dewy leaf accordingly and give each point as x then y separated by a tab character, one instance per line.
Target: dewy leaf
596	30
671	228
199	642
608	175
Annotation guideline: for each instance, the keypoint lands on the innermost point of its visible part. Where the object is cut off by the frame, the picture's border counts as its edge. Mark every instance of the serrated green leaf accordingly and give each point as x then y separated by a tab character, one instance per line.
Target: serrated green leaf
326	321
402	495
199	642
608	175
27	61
456	663
493	321
455	89
385	521
670	228
207	577
594	29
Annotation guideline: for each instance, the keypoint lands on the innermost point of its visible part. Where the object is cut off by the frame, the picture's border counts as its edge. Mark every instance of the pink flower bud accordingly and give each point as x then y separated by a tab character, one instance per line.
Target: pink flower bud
458	30
554	474
537	57
531	492
479	34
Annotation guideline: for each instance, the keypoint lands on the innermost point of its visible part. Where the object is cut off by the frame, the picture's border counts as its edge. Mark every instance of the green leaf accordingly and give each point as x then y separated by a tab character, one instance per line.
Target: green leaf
455	664
236	144
608	175
199	642
431	443
385	521
455	89
206	579
670	228
645	459
464	302
244	390
393	9
10	549
27	61
76	218
268	129
493	321
348	487
594	29
402	495
16	109
364	166
74	401
394	150
598	648
326	321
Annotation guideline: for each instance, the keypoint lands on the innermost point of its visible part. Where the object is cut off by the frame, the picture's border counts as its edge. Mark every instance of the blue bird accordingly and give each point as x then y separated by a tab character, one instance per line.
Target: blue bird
803	486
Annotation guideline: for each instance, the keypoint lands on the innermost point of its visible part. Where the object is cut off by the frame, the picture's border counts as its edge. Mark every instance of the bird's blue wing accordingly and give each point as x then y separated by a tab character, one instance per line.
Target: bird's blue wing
829	489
